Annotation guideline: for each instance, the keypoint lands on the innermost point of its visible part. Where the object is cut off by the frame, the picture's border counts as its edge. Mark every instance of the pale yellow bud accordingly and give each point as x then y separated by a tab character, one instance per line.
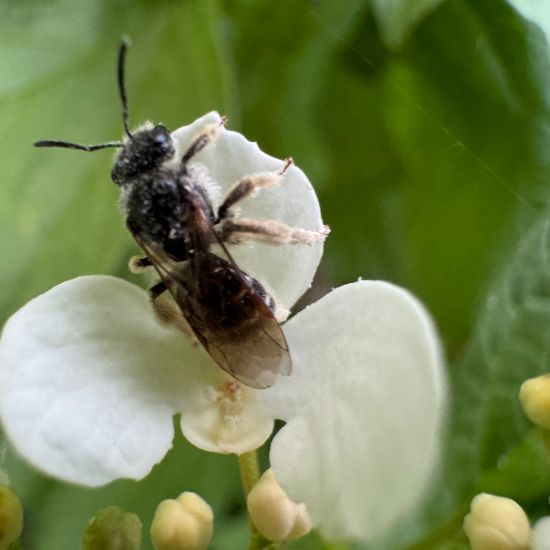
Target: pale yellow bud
535	399
496	523
275	516
11	518
185	523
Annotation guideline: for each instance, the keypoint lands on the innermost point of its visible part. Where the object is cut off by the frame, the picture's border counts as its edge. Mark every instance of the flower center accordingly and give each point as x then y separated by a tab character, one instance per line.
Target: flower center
229	397
225	417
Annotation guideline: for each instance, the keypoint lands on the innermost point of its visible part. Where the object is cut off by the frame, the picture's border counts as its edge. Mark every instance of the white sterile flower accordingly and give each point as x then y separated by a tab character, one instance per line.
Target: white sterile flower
90	380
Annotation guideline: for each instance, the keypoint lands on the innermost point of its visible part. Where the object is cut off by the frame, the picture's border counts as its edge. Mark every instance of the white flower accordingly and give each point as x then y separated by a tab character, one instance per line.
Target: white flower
90	381
540	534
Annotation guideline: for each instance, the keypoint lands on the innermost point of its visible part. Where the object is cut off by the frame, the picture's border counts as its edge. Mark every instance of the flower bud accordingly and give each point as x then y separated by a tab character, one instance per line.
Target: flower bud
540	534
185	523
112	529
496	523
275	516
11	518
535	399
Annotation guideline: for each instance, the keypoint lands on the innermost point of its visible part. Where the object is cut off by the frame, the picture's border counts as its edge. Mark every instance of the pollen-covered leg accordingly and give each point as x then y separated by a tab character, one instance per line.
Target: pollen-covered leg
163	310
166	310
248	185
207	135
139	264
241	230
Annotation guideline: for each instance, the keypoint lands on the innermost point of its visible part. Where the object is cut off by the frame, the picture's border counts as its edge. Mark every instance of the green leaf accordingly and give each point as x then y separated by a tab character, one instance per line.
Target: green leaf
522	473
469	122
471	133
511	344
397	18
232	532
431	156
283	68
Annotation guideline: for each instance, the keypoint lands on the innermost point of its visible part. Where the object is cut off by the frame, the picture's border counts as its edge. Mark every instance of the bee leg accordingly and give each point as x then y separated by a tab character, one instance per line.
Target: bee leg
240	230
248	185
207	135
167	312
139	264
157	289
163	309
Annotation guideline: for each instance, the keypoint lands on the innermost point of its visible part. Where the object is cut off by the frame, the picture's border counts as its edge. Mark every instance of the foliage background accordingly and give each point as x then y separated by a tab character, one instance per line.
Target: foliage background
424	126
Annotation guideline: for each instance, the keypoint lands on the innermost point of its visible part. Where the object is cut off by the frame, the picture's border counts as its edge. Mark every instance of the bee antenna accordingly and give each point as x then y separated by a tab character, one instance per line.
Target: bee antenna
125	42
69	145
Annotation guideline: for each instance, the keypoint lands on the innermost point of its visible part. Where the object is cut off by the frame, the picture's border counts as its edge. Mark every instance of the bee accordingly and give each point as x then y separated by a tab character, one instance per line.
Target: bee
170	214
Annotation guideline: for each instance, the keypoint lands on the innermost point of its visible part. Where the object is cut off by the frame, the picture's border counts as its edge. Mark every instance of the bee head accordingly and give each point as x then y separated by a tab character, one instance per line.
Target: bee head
144	150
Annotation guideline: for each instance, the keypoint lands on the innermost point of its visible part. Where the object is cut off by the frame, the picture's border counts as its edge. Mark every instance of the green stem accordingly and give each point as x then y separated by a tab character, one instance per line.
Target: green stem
250	474
250	470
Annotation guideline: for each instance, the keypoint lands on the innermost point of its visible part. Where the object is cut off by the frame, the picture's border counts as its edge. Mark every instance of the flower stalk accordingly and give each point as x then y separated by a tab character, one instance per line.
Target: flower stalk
250	470
250	474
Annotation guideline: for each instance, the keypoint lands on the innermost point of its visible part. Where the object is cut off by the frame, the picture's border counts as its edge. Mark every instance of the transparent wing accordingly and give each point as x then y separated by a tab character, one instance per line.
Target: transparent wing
228	313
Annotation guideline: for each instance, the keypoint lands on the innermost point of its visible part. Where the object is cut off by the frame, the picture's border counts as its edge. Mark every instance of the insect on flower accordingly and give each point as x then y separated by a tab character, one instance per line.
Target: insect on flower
185	239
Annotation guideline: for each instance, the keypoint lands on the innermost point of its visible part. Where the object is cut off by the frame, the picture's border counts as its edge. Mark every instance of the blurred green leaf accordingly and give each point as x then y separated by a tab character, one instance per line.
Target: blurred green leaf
397	18
283	69
522	473
511	344
232	533
467	123
483	133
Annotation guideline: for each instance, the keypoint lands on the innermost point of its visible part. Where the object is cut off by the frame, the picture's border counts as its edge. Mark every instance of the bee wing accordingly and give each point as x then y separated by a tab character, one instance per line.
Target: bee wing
227	313
254	354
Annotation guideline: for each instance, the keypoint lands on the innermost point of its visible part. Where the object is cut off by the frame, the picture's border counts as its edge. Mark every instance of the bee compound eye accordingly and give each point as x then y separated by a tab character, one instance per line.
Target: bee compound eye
160	137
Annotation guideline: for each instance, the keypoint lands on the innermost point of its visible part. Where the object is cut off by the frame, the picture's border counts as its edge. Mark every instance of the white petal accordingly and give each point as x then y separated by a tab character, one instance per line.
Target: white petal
89	381
287	270
540	534
364	408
